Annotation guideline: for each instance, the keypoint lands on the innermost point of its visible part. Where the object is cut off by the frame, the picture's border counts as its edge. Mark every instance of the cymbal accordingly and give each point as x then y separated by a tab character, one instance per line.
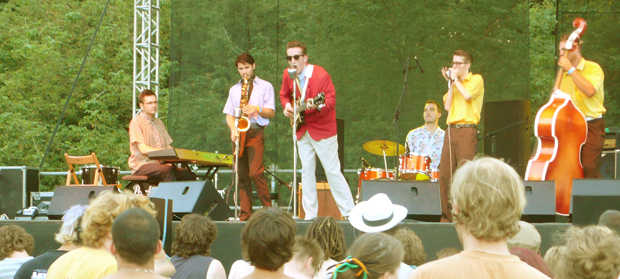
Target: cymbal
377	146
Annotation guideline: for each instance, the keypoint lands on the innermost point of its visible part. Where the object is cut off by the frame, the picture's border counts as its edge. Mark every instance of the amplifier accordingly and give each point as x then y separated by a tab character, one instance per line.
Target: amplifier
612	141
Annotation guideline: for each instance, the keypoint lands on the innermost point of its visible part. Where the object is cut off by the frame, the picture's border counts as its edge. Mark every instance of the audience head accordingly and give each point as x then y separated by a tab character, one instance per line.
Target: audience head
373	255
267	239
14	239
532	259
307	257
377	214
413	247
610	219
488	199
330	236
135	234
98	218
70	230
193	236
527	237
447	252
552	257
592	252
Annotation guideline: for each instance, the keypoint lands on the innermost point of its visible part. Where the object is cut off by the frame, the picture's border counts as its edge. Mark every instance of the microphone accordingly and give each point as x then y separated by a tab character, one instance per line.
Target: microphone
292	73
417	64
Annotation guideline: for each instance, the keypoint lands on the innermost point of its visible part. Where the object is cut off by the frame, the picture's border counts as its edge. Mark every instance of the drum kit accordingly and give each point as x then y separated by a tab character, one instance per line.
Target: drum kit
412	166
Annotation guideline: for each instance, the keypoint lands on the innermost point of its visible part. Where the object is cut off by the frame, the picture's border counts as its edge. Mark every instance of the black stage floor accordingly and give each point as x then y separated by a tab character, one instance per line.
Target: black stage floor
227	247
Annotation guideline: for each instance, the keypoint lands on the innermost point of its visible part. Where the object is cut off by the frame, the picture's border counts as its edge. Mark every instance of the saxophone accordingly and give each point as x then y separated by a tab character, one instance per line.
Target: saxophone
244	121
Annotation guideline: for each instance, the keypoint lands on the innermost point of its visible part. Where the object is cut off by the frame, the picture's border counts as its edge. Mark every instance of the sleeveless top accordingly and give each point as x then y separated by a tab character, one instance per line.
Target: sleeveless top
195	266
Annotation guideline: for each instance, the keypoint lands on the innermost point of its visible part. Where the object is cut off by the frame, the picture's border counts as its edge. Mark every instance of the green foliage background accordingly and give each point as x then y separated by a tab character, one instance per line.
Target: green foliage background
363	44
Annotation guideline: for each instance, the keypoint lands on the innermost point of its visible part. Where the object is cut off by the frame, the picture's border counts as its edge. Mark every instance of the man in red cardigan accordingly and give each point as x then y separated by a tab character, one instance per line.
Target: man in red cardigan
317	137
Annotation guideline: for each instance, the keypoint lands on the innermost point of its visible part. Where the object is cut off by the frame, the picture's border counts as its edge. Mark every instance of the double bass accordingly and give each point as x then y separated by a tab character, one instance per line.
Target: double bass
561	131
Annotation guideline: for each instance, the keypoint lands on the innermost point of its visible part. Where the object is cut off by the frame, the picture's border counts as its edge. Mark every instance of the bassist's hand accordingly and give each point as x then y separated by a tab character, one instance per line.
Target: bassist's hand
288	110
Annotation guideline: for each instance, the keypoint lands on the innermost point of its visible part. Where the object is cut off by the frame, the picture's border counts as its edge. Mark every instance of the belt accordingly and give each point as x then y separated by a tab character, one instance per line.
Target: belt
459	126
255	126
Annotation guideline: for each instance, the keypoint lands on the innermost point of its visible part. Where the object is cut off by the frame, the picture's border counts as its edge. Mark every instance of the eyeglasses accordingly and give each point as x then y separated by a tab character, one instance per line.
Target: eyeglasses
151	103
289	58
457	64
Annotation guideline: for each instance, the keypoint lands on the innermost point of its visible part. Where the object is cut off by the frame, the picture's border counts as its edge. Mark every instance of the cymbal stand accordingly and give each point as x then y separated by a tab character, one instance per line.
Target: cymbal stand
397	116
385	160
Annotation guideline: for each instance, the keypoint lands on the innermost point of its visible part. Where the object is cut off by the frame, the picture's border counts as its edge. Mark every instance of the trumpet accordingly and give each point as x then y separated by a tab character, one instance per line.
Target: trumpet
244	122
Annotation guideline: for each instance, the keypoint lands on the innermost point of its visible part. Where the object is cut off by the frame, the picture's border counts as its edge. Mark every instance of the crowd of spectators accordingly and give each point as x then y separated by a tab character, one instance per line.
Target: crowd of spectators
117	237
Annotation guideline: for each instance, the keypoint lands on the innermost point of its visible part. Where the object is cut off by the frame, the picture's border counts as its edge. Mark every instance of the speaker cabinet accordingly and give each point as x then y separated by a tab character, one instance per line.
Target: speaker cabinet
421	198
164	219
592	197
67	196
327	204
16	184
509	121
320	171
198	197
540	197
609	164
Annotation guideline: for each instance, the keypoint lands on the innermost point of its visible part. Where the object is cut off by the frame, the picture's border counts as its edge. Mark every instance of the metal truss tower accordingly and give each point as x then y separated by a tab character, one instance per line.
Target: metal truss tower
145	48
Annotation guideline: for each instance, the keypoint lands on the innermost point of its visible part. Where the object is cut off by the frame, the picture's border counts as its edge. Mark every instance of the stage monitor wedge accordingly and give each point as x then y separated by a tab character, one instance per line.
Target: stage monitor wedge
67	196
592	197
198	197
540	197
421	198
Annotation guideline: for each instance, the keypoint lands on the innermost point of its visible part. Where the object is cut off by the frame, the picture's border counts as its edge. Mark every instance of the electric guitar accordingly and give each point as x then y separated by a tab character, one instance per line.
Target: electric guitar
319	101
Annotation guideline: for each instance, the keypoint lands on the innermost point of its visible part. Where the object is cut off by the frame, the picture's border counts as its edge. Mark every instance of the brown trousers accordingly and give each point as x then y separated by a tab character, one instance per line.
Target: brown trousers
251	168
459	145
593	149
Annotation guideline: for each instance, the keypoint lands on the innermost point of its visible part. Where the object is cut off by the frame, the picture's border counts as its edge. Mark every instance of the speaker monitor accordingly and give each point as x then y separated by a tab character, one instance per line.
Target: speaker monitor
198	197
512	143
327	204
540	197
67	196
16	184
421	198
164	219
592	197
320	171
609	164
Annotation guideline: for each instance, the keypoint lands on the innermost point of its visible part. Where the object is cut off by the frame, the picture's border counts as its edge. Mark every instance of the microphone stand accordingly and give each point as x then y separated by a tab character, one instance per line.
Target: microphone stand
236	195
294	190
397	115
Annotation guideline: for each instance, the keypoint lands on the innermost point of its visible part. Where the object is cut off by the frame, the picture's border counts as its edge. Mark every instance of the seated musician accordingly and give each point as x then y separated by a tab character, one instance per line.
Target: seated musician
148	133
428	139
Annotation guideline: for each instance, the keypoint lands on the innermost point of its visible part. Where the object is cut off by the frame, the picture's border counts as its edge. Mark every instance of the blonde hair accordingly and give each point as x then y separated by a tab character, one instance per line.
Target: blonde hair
490	198
306	248
378	252
552	257
447	252
98	219
330	236
592	252
413	247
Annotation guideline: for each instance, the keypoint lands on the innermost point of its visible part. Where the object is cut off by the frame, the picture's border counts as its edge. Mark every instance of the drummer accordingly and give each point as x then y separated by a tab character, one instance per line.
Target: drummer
428	139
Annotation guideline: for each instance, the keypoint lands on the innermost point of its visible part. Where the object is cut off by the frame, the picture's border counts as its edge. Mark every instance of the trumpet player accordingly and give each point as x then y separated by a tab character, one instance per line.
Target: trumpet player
255	97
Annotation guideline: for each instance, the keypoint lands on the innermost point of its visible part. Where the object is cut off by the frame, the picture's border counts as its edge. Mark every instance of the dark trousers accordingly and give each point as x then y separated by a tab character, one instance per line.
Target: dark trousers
593	148
251	168
164	172
459	145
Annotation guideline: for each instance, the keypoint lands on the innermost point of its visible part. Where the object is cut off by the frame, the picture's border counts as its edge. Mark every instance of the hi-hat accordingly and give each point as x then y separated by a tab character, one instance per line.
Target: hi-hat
378	146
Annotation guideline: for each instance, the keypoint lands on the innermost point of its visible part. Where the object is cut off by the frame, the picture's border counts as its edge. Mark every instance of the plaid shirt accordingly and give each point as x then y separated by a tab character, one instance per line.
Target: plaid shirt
149	131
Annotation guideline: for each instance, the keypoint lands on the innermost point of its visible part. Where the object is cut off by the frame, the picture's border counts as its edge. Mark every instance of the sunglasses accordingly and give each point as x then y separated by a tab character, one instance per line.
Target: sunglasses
296	57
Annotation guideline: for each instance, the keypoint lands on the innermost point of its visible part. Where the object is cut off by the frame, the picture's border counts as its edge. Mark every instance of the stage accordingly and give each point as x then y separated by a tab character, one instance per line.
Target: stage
227	246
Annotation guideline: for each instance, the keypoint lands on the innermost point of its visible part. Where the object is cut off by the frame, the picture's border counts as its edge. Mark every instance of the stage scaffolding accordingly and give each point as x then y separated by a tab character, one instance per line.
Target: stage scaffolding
145	48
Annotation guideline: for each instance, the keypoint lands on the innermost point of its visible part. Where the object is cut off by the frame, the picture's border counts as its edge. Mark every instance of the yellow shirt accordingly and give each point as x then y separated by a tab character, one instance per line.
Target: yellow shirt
83	263
462	111
591	107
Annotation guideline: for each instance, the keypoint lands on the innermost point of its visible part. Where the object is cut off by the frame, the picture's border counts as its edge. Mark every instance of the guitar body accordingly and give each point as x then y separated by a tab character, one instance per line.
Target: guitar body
319	101
561	130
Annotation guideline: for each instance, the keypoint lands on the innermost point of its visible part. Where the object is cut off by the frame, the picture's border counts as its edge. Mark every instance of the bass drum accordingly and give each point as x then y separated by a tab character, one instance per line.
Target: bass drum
413	164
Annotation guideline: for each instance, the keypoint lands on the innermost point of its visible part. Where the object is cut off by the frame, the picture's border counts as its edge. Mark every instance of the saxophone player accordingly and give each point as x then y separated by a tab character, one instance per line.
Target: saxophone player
256	99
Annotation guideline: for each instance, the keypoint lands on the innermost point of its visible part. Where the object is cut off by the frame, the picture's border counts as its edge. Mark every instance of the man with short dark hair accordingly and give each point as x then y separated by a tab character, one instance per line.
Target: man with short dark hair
427	140
463	101
317	136
259	105
583	81
135	241
267	242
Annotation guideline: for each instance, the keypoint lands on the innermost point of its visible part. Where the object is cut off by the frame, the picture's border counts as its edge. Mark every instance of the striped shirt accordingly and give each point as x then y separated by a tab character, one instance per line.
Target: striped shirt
9	266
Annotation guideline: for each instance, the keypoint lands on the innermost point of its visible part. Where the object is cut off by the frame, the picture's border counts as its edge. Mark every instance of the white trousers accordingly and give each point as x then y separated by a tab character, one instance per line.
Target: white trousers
327	150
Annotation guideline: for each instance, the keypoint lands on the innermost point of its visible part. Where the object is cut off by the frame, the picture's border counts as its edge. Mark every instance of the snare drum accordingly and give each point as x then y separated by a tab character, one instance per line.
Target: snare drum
413	164
110	173
434	175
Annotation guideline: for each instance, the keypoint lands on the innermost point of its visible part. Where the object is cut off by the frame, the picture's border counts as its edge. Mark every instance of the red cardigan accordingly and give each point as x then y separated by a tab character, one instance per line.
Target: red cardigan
319	124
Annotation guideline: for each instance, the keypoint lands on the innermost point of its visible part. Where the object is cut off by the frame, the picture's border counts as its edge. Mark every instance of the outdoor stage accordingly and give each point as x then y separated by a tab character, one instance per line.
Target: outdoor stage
227	247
